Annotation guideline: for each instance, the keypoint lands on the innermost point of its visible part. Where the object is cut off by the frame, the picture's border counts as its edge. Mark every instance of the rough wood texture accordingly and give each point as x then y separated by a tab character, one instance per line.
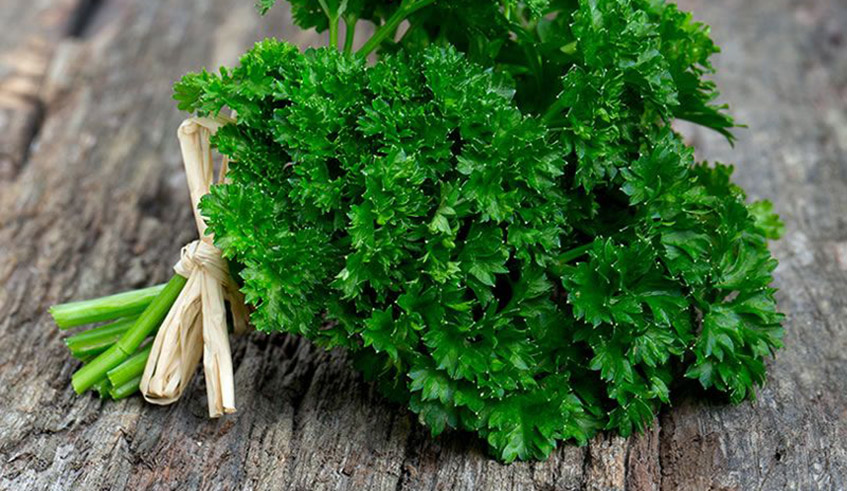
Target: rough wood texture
93	123
31	31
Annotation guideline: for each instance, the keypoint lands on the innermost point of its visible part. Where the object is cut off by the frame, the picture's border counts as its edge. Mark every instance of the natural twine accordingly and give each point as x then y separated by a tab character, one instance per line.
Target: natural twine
196	323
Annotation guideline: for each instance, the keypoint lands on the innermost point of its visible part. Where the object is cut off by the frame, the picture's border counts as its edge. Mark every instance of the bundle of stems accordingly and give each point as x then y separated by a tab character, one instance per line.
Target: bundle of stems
115	352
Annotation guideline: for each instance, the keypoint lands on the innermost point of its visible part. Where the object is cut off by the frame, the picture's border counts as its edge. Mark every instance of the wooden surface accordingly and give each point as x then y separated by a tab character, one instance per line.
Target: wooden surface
93	201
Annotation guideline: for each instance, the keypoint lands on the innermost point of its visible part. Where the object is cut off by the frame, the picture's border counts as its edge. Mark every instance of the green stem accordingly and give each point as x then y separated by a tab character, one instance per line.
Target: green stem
407	8
102	388
149	321
574	253
95	341
350	35
560	266
333	32
125	390
130	369
109	308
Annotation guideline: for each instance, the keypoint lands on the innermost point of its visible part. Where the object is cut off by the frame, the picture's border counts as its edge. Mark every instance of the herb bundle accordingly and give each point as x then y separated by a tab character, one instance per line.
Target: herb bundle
495	217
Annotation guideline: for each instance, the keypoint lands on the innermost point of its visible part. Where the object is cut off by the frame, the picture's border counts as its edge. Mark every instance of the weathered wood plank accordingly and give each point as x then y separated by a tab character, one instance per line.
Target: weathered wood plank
784	72
100	206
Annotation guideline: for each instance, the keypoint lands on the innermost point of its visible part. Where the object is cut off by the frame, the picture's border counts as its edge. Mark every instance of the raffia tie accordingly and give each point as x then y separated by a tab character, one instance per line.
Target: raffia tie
196	323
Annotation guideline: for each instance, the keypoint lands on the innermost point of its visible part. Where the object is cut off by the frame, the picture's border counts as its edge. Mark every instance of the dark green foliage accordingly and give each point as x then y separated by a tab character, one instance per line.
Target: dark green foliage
406	211
526	251
596	69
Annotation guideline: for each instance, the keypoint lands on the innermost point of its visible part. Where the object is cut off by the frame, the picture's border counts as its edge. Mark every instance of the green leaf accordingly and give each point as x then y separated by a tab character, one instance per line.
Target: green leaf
767	221
264	5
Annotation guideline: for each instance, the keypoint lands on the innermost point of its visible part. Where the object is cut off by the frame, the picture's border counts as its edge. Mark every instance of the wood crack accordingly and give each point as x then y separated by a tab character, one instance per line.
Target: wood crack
408	457
83	18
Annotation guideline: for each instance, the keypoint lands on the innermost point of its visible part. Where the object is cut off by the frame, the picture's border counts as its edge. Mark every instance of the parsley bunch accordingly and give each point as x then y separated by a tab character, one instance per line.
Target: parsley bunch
496	218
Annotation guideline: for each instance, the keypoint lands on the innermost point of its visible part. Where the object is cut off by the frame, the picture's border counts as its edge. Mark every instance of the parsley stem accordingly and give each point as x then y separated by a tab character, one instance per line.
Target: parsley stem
125	390
560	267
350	35
109	308
333	32
131	368
407	8
95	341
148	322
102	387
574	253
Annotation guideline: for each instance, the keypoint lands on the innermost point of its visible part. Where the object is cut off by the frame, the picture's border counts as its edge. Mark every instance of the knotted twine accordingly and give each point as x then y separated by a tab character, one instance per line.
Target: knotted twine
196	323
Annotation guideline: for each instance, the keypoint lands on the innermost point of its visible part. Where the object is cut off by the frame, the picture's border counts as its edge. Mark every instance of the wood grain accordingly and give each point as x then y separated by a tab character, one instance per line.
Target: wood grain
93	201
30	34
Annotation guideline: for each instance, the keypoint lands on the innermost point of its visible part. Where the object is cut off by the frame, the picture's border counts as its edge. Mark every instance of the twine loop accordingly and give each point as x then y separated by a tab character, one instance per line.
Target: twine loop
196	324
201	254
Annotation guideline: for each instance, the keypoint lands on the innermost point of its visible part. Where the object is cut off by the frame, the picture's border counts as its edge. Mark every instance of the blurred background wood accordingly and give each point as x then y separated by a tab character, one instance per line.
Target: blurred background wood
86	119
